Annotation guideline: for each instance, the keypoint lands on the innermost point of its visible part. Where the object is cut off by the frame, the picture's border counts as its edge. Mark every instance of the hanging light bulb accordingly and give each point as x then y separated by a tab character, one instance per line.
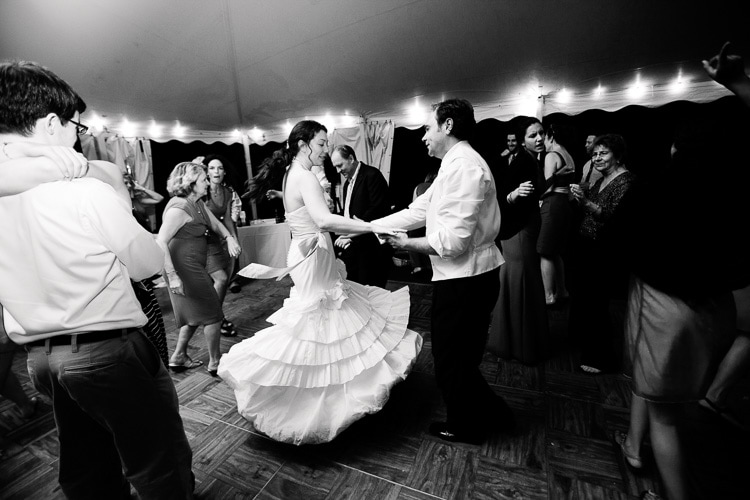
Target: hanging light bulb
96	122
678	85
564	96
329	123
127	129
256	134
417	113
637	89
178	131
154	130
287	128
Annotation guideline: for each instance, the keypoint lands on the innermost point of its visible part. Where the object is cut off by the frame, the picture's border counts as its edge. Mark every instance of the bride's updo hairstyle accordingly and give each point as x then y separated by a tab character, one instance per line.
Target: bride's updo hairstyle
304	131
271	171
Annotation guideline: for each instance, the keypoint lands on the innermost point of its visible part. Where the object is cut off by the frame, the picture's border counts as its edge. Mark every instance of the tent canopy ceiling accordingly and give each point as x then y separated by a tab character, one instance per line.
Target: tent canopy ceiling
215	66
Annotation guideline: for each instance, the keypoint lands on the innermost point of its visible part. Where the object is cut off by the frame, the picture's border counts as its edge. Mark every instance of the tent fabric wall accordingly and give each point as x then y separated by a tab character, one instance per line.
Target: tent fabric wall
143	168
372	142
352	136
379	137
108	147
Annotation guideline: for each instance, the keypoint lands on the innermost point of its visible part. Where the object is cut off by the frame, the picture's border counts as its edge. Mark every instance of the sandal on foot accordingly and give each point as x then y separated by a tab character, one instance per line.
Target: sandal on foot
724	413
228	329
185	365
212	371
632	460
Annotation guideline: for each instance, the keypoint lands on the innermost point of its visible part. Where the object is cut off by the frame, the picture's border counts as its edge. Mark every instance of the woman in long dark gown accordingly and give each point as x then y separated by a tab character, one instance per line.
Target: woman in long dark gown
519	328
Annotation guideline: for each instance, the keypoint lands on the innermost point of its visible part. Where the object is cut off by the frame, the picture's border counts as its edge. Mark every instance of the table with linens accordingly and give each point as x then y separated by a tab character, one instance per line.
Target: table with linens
264	242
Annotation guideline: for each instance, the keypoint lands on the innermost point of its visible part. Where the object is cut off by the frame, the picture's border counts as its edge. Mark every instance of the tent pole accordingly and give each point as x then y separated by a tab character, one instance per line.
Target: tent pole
249	167
540	107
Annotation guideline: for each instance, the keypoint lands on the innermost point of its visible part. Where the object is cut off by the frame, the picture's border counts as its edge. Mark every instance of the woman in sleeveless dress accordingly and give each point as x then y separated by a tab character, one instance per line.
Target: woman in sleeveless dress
336	347
219	200
556	213
184	231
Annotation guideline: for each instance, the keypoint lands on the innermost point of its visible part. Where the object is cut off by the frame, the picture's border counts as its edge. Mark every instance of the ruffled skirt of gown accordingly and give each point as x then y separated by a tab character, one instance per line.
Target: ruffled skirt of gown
332	355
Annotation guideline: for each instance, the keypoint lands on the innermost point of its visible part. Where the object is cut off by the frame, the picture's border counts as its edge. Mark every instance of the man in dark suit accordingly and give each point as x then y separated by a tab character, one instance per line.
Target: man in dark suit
510	153
365	196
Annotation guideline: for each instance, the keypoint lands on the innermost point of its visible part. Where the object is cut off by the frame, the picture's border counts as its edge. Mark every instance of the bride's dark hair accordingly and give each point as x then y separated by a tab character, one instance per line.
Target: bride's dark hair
305	131
269	176
271	171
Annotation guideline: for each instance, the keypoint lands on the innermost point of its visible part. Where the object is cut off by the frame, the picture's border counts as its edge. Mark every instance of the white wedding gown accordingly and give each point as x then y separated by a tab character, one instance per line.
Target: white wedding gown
333	353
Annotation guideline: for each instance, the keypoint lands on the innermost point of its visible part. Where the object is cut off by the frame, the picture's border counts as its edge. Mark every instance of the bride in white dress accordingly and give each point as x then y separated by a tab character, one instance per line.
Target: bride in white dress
336	348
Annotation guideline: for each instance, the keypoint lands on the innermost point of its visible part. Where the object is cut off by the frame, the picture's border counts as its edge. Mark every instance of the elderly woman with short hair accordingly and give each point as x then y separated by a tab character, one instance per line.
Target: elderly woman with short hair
185	225
601	275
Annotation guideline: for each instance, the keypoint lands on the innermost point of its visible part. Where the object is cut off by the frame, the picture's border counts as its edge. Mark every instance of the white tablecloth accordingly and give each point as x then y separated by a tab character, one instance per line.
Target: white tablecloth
265	244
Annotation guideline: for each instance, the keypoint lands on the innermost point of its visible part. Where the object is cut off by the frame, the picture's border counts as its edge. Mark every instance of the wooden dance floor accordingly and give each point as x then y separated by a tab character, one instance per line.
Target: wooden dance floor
562	449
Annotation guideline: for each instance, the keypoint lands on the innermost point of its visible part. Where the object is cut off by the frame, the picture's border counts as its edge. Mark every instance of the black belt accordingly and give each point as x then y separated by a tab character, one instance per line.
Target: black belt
83	338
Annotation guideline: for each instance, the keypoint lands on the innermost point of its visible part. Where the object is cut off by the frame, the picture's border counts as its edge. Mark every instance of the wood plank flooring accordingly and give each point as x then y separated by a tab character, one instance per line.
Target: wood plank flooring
562	449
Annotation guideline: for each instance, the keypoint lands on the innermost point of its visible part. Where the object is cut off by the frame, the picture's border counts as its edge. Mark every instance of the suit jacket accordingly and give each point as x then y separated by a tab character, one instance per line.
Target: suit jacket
370	199
367	261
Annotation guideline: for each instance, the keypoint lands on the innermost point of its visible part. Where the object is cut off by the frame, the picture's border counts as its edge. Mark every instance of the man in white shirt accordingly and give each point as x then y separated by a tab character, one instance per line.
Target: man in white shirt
68	252
462	219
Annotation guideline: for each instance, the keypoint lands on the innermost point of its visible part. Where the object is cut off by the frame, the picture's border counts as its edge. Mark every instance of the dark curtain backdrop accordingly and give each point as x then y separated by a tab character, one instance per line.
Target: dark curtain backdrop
648	133
410	164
